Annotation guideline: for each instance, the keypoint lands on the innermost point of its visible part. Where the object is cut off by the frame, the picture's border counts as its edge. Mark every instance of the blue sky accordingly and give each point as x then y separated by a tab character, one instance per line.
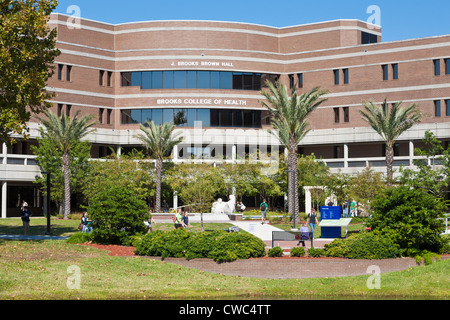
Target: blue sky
400	19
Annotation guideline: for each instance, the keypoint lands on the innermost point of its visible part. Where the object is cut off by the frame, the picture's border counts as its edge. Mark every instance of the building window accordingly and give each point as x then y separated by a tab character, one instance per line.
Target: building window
336	115
291	81
447	66
437	67
108	116
336	77
68	73
100	77
368	38
337	152
447	107
60	71
300	80
60	108
68	109
188	117
346	76
196	80
108	78
100	115
385	72
346	114
395	71
437	108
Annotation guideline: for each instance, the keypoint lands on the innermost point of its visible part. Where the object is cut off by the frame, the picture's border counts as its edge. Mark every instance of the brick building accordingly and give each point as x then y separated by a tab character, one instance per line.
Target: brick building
206	77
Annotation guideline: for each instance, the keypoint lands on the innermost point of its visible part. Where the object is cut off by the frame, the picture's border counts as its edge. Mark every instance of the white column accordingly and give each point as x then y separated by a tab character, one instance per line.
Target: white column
175	153
4	198
175	200
307	199
345	155
411	153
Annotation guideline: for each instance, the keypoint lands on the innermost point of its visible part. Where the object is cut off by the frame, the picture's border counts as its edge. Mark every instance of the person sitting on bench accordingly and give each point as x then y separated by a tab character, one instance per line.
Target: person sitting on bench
304	234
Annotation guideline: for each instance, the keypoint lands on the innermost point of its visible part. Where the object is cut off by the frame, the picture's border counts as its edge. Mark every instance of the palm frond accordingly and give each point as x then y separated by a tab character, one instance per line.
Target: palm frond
290	111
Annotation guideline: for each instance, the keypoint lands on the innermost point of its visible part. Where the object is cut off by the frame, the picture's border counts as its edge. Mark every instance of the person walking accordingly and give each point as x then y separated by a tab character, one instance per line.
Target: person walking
263	206
25	214
312	220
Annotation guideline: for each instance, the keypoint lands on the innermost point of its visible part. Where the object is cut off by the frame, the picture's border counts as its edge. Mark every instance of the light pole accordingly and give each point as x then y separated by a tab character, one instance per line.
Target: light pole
48	232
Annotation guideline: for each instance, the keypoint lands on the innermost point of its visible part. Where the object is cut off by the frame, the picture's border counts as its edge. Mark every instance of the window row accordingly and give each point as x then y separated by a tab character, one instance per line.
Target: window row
437	108
393	67
101	78
337	117
61	68
196	80
189	117
102	114
61	110
437	66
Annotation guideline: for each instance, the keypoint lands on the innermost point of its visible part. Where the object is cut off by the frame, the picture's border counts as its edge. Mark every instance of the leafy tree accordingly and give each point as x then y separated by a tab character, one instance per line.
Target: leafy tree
390	125
365	186
289	117
410	218
27	53
196	184
431	173
117	214
65	134
130	171
49	158
159	141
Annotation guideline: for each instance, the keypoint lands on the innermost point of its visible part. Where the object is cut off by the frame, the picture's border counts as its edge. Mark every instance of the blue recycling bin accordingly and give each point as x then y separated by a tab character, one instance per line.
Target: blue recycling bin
330	213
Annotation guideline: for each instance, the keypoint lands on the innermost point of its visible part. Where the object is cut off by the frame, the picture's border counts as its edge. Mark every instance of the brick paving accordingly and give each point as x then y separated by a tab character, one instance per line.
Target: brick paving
295	268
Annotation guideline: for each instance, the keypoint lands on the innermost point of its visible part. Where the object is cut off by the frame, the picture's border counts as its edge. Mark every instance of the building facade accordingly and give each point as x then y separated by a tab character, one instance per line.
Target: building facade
206	77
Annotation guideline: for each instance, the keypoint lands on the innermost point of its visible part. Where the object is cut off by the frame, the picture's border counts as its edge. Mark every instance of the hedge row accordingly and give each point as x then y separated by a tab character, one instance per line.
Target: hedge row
218	245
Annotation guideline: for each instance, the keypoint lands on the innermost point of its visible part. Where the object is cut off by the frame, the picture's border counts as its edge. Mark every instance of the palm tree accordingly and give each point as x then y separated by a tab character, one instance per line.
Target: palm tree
390	125
65	132
159	141
289	118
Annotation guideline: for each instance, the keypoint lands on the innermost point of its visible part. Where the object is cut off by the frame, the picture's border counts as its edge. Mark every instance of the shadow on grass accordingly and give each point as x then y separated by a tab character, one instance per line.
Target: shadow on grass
56	229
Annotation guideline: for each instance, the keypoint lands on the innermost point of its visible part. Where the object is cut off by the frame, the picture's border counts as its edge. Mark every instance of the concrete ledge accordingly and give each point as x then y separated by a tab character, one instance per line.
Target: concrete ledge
236	217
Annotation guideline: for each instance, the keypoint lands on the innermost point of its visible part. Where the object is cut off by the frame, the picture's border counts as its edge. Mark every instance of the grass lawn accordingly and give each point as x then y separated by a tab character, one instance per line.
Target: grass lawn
38	270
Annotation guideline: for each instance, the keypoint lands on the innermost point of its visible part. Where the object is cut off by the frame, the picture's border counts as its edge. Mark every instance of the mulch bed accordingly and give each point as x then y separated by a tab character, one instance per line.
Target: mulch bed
115	250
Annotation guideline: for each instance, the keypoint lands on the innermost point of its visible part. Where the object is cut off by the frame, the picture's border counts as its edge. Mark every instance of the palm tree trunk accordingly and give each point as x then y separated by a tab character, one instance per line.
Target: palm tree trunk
158	185
66	166
293	177
389	163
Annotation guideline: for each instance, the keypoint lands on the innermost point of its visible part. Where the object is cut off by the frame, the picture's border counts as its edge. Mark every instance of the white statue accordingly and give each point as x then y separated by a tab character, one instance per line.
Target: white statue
224	207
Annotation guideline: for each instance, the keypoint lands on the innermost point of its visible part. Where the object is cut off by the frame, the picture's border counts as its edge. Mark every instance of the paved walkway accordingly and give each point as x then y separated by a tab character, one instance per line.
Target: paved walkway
33	238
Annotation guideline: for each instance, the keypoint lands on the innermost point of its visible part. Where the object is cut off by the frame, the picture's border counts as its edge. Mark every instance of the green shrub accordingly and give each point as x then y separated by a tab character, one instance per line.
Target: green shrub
365	245
116	214
316	253
409	217
298	252
275	252
218	245
80	237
